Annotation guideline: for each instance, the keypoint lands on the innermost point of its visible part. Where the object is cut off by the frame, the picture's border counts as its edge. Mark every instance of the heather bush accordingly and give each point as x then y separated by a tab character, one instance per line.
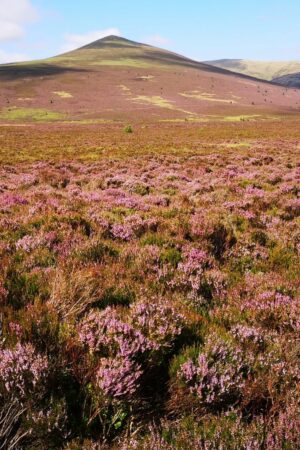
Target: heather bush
216	374
210	433
127	339
21	370
284	432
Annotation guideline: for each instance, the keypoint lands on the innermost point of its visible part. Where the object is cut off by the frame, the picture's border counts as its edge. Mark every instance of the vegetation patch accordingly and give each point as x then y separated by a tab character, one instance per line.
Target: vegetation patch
35	114
206	97
63	94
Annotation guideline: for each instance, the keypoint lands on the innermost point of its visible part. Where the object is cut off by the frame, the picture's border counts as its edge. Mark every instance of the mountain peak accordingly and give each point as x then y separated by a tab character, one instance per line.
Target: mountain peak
112	41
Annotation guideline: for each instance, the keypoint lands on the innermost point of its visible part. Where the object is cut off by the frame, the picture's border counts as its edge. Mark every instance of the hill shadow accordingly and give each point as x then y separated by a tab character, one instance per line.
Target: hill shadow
16	71
291	80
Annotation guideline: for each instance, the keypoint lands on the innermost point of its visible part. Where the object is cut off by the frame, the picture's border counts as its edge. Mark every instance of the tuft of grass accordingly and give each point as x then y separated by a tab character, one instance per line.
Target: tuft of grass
128	129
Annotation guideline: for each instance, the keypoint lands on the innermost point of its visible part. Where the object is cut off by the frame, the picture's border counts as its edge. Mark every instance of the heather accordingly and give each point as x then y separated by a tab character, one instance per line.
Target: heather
150	295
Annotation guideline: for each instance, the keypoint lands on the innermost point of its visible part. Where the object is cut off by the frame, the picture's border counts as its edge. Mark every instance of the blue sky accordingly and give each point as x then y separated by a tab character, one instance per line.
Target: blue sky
203	30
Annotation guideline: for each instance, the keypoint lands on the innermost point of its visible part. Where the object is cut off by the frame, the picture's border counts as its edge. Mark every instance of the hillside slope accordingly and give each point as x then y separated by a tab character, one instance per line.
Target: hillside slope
117	79
286	73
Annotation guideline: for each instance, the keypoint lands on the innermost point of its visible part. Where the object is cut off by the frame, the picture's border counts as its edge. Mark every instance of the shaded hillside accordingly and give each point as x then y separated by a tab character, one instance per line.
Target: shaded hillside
291	80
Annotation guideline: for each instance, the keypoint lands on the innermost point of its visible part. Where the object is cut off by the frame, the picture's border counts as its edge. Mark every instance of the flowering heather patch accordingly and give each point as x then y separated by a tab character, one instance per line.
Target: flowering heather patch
219	373
107	332
125	347
160	322
21	369
151	299
118	377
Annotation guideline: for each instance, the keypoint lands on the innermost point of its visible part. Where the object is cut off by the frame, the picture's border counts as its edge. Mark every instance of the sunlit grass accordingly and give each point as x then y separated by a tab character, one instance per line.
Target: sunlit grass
35	114
63	94
206	97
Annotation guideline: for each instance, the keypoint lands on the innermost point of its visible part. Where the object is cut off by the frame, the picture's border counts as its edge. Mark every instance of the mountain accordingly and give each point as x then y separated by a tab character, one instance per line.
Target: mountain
286	73
118	79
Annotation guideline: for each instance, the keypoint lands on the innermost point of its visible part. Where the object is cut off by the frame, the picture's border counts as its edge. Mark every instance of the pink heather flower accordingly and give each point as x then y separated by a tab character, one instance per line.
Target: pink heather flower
149	328
15	328
218	373
271	308
269	300
133	226
132	203
9	200
255	192
159	322
293	207
199	225
246	334
29	243
105	329
92	196
157	200
123	232
3	292
21	369
194	260
118	377
286	427
190	271
285	188
249	215
188	371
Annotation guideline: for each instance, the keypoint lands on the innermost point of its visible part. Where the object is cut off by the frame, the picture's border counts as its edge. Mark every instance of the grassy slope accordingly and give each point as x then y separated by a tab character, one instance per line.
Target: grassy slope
115	51
266	70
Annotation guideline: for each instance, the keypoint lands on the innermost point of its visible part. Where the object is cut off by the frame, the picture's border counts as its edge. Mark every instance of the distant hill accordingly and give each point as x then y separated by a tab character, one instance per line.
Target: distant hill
286	73
118	79
290	80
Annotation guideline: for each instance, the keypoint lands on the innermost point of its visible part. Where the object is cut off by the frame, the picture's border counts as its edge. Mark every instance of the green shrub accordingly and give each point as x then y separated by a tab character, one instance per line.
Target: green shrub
96	252
24	288
171	256
115	296
128	129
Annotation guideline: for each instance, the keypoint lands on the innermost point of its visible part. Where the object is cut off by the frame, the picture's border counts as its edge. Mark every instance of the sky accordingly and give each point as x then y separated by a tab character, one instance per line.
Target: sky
200	29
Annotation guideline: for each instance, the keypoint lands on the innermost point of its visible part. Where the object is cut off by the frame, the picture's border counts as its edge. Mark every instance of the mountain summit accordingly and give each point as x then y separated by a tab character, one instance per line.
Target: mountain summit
111	41
111	49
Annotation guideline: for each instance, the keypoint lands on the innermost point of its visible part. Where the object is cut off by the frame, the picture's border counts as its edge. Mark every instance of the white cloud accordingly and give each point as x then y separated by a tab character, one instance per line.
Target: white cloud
14	15
7	57
158	40
73	41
